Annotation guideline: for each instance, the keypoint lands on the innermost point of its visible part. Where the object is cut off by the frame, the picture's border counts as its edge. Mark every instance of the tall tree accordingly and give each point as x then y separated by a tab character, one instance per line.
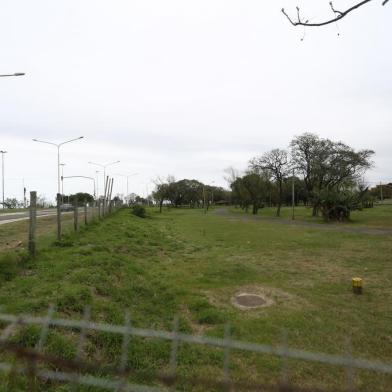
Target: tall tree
327	165
275	164
249	190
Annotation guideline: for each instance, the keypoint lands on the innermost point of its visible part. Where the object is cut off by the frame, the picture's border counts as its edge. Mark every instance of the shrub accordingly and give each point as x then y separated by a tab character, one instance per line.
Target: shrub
139	211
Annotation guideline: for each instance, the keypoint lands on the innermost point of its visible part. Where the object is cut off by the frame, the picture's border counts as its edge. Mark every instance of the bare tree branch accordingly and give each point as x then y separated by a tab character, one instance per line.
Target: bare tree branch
339	15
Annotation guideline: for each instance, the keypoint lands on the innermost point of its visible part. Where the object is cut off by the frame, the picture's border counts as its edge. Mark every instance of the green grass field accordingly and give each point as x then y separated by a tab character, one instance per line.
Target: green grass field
187	263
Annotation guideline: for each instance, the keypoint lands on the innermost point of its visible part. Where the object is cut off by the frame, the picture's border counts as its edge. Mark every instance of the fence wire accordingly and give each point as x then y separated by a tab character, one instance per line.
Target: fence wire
79	371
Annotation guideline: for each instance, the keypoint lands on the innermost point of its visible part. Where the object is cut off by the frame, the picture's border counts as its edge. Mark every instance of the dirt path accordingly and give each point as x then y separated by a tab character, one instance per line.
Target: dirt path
281	221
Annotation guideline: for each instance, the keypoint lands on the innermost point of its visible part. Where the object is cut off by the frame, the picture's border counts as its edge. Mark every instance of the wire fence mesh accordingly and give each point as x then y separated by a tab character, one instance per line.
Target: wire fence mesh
35	364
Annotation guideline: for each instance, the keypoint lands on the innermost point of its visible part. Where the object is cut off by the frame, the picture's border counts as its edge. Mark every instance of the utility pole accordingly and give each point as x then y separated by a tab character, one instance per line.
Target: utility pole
293	196
2	173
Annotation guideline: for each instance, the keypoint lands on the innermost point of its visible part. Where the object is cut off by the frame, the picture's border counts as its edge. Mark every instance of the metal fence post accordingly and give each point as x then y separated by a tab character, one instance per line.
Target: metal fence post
59	197
76	215
33	222
85	213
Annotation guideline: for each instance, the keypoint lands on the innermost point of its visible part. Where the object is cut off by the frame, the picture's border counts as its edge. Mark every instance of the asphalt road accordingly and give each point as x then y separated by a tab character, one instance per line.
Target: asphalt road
10	217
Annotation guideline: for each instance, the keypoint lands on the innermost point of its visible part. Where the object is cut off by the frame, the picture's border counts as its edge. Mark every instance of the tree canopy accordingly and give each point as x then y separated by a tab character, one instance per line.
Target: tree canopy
322	172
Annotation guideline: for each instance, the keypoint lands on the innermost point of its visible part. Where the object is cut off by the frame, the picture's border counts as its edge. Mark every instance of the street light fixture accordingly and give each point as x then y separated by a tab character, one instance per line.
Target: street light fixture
104	166
2	152
58	155
90	178
14	74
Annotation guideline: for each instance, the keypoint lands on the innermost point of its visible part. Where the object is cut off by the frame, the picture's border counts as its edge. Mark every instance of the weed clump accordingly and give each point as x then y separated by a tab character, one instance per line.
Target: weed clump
10	265
139	211
74	298
205	313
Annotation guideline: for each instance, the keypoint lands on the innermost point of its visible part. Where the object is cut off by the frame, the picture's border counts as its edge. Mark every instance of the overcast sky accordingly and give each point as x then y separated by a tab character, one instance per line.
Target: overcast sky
186	88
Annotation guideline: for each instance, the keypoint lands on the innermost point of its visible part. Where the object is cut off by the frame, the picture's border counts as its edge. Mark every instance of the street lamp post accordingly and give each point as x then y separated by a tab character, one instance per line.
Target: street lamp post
58	155
62	182
2	173
104	166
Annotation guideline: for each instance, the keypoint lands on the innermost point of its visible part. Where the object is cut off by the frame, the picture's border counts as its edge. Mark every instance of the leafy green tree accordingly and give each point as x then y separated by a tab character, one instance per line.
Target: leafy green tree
82	198
250	189
275	165
327	165
161	194
337	205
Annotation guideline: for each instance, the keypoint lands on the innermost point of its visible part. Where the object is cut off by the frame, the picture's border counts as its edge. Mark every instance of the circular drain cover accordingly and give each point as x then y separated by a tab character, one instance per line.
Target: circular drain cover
249	300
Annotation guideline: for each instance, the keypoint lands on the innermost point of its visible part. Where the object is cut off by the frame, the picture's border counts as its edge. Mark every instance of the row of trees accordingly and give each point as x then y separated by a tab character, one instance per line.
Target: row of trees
191	193
325	174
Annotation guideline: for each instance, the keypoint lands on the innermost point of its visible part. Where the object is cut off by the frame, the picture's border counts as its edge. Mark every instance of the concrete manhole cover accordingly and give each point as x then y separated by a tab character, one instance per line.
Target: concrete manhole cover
250	301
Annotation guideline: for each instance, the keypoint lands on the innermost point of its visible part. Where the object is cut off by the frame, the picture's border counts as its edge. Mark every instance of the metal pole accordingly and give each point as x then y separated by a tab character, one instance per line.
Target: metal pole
62	182
59	197
293	196
58	169
110	195
2	173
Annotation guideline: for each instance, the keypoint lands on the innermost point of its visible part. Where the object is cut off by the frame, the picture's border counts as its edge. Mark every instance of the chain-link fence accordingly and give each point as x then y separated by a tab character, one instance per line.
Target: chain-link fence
35	364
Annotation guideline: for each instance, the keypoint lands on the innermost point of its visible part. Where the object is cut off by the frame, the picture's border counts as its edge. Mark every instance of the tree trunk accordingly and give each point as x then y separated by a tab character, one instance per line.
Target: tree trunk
279	199
278	210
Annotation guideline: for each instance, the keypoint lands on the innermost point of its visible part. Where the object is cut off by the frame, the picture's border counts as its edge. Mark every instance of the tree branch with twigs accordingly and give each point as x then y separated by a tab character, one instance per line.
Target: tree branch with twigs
338	15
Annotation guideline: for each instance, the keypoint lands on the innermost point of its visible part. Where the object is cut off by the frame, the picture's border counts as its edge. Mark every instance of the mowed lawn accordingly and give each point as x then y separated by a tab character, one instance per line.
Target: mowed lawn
187	263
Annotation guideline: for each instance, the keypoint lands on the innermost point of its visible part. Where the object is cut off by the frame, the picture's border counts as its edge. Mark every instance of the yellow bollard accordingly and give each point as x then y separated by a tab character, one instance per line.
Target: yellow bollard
357	285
